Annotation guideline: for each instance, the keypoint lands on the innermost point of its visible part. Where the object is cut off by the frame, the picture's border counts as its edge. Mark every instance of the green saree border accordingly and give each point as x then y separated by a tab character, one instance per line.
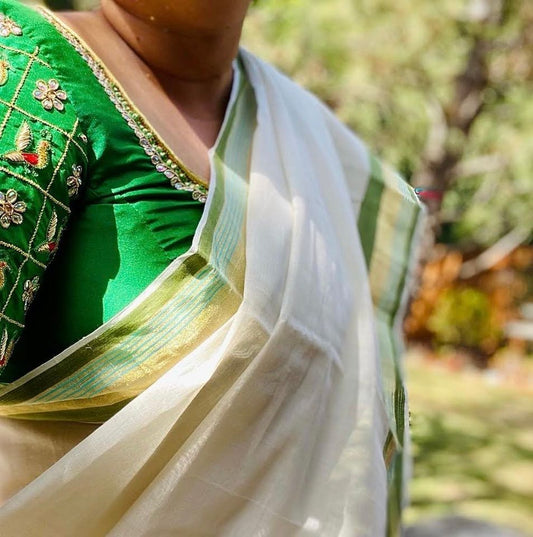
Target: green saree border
62	388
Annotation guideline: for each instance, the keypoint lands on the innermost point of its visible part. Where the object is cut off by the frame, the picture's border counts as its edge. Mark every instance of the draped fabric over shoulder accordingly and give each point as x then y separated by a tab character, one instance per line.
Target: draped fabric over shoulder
255	387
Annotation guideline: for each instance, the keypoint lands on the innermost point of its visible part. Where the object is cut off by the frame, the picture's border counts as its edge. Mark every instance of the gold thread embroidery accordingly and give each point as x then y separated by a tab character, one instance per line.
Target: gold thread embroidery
36	186
4	267
4	71
37	224
9	27
39	159
47	124
6	348
52	240
24	53
11	105
74	181
50	95
11	210
162	157
30	289
10	320
22	252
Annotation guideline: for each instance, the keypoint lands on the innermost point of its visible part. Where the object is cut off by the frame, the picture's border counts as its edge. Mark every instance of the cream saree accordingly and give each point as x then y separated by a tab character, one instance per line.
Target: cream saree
266	411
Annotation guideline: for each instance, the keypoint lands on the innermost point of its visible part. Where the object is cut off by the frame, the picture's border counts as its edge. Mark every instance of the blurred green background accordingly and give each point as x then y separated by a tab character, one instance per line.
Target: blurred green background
442	90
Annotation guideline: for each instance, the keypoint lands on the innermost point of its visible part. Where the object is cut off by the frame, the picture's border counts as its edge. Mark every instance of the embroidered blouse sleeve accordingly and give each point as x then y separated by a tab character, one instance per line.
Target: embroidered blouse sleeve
43	157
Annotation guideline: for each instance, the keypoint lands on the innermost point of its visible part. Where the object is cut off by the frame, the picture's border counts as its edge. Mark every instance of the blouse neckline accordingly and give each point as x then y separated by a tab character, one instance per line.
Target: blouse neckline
163	158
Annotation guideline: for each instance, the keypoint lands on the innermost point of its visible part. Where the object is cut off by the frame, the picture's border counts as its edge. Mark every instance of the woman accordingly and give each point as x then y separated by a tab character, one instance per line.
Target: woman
229	266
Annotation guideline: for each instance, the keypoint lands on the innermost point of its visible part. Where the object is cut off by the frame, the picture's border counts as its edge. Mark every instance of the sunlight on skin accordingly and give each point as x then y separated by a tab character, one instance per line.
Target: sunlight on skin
190	16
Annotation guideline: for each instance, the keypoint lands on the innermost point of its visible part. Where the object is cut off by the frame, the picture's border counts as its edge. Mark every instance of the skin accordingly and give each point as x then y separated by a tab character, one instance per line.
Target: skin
174	60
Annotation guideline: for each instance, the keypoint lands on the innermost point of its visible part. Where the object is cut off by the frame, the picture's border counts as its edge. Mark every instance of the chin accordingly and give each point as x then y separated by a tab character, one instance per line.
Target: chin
198	15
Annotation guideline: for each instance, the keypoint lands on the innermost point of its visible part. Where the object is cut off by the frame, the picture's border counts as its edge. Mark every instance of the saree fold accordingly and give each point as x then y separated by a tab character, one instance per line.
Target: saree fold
93	379
275	422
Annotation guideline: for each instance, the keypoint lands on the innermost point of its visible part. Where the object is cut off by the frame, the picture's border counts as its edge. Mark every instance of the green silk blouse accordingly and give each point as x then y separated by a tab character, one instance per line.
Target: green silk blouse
87	186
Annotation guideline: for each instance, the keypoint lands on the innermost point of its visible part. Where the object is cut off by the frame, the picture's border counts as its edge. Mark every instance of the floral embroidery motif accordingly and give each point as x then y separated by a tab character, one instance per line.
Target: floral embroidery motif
11	210
74	181
4	71
38	159
30	288
8	27
52	236
6	348
50	95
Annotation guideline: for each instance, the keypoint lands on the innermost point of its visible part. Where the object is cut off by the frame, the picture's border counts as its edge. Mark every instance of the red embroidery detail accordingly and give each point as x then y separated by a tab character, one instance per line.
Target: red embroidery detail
39	159
6	348
429	193
52	240
4	267
31	158
4	71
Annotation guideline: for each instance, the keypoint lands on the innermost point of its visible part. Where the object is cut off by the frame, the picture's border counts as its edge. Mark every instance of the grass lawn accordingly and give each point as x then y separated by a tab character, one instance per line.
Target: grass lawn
472	446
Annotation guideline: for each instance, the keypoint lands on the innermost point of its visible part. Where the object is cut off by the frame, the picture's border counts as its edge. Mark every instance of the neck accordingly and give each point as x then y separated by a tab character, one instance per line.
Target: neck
193	66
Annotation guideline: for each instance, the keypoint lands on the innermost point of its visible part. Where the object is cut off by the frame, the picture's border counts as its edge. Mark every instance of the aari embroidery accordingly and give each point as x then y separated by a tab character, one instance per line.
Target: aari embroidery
50	94
4	71
40	142
23	139
74	181
6	348
11	210
4	267
52	236
30	289
160	155
9	27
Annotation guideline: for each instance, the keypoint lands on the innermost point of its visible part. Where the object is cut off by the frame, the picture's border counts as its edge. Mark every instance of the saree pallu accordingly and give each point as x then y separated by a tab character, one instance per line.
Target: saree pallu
288	417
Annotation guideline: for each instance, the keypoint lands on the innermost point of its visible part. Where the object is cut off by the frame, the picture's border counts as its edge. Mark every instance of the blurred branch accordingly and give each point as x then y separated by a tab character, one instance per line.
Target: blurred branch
443	154
438	132
494	254
442	160
479	165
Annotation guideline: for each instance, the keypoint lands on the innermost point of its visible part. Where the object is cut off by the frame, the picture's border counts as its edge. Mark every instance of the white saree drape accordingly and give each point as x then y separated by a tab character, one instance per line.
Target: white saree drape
275	425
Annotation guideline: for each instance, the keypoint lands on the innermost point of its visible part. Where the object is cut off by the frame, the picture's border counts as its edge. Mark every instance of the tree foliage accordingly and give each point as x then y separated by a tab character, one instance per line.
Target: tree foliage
439	89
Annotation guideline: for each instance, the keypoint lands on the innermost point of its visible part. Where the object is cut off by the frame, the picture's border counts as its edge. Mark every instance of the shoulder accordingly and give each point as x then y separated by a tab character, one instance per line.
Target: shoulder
377	192
34	100
22	25
38	93
18	12
312	117
311	121
31	37
271	84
